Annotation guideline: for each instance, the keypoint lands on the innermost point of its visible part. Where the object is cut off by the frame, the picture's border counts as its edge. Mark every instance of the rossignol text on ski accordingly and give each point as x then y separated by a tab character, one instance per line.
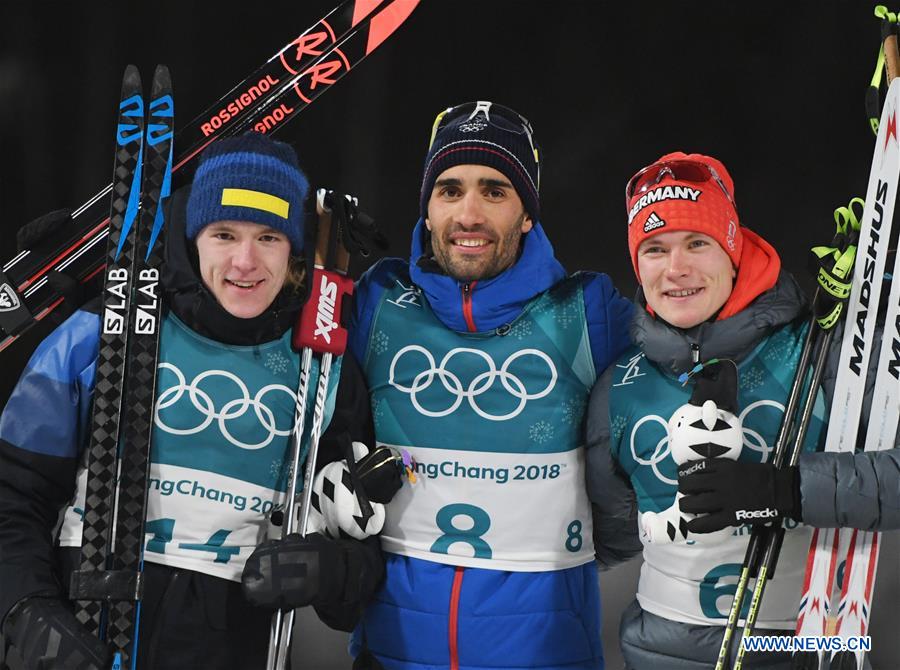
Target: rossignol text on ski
265	100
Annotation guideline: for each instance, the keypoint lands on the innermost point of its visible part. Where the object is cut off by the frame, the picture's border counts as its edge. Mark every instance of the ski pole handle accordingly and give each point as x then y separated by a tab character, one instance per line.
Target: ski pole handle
322	322
321	326
890	48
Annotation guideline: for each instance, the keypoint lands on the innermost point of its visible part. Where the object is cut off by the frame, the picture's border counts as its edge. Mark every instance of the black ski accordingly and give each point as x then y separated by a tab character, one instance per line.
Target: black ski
143	347
117	581
109	383
295	75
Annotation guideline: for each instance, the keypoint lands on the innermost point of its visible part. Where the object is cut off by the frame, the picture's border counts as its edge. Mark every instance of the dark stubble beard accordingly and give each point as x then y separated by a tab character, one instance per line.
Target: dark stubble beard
505	253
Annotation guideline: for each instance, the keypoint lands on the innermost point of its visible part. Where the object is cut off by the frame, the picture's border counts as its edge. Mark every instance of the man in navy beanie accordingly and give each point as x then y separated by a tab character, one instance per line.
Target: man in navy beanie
220	457
480	352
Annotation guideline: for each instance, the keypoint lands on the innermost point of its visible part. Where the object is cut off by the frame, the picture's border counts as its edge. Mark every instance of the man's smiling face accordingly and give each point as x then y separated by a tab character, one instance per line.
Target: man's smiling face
243	264
476	220
686	276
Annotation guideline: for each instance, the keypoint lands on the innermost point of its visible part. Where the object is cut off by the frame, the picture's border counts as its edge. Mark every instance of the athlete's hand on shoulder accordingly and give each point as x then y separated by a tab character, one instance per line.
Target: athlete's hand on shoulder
44	633
731	493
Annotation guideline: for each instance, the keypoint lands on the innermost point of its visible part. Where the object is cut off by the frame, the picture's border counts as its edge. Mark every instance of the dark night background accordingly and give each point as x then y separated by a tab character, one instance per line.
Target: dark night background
773	89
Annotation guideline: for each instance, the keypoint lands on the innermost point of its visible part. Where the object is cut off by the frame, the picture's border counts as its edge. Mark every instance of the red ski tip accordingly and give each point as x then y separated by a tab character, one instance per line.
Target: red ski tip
362	9
381	26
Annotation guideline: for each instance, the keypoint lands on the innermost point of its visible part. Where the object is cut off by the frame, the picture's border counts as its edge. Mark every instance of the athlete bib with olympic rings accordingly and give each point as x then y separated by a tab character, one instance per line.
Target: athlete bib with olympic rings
493	422
695	583
219	458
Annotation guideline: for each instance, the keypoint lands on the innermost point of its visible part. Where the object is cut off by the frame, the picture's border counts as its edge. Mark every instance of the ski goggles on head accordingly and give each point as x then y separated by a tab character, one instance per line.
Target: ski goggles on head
692	172
483	111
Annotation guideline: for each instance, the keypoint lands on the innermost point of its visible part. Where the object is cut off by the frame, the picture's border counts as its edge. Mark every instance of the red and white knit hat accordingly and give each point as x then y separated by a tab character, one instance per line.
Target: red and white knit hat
683	192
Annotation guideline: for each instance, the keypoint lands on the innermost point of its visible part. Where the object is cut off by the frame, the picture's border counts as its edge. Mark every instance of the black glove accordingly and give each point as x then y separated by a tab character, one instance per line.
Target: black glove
732	493
359	232
41	236
44	634
295	572
380	474
43	232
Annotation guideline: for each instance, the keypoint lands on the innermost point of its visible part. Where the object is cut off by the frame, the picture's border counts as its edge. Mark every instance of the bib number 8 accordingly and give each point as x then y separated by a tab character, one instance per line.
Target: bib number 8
481	523
574	539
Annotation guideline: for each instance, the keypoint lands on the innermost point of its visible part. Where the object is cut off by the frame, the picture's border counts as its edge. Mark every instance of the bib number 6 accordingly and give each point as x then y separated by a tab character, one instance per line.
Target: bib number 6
721	582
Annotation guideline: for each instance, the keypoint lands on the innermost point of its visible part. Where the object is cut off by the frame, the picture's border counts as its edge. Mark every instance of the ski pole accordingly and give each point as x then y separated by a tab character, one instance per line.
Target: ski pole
889	49
772	535
887	63
319	331
836	263
753	548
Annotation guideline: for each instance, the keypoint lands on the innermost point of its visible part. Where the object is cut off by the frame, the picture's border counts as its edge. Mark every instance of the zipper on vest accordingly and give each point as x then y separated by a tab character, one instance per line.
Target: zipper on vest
453	618
695	353
467	305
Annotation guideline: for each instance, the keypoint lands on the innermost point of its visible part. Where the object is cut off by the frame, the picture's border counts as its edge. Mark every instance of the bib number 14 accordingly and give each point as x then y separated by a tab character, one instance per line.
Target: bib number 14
164	529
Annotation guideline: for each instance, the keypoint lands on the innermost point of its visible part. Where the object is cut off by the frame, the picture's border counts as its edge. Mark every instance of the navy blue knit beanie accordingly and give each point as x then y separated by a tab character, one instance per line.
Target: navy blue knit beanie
484	133
249	178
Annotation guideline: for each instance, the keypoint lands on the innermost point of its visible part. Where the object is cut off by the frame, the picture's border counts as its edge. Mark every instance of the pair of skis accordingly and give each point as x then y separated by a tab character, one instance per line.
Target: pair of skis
860	547
265	100
107	587
861	312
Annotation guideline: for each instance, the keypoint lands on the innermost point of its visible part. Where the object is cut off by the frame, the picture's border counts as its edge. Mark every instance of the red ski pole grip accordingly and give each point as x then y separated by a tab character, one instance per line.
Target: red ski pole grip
320	326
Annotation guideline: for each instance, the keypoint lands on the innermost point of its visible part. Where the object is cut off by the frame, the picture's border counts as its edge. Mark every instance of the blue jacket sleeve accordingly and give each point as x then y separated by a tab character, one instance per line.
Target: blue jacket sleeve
367	296
42	429
608	316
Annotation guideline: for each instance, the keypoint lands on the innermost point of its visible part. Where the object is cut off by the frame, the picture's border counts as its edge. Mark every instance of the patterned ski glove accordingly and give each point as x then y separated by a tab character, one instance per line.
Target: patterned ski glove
732	493
297	571
294	572
44	633
335	504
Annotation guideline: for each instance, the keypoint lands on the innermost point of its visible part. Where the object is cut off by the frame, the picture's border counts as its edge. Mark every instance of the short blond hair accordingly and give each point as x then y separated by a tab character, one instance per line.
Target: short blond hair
295	280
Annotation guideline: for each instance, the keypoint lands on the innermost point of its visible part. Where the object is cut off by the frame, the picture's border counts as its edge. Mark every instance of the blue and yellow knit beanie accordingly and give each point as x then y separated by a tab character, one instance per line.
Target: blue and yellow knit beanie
249	178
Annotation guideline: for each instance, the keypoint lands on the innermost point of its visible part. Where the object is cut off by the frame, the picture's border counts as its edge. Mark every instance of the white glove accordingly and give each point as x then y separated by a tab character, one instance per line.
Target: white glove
335	508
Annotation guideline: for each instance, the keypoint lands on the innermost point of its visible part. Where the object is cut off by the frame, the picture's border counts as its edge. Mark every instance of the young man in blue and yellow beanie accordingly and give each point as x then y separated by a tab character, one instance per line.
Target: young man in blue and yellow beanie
226	381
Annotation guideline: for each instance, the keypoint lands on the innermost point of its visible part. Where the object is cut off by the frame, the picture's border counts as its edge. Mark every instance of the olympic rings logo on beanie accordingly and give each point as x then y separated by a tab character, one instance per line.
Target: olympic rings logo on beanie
689	192
249	178
484	133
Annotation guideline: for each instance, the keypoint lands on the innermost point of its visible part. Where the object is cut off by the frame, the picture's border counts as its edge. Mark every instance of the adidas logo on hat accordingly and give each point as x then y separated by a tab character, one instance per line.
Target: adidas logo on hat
653	222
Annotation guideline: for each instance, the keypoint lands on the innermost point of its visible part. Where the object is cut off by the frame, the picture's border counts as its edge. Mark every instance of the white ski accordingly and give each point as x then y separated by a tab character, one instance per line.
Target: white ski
862	556
856	346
